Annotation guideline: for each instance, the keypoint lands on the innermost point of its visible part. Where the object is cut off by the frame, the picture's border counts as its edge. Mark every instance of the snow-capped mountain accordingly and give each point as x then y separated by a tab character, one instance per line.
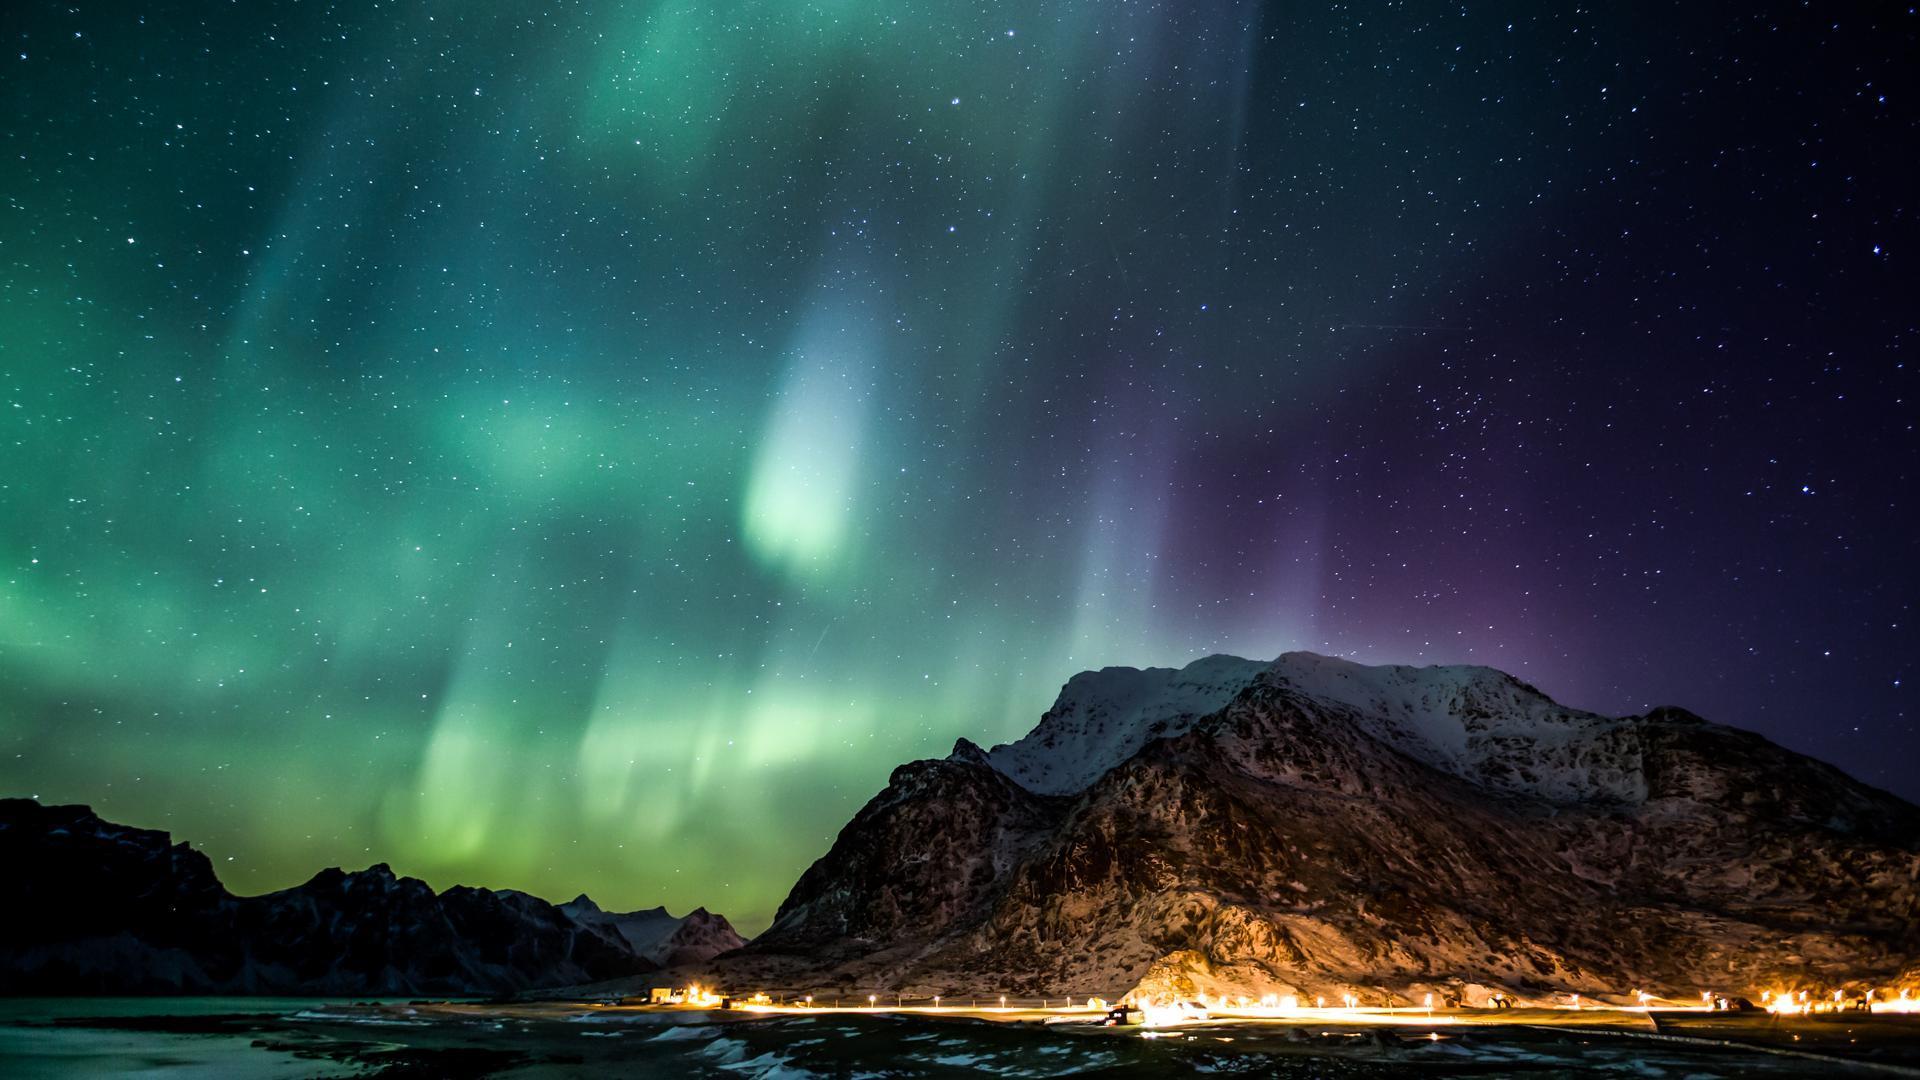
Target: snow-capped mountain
658	937
1103	717
95	907
1315	826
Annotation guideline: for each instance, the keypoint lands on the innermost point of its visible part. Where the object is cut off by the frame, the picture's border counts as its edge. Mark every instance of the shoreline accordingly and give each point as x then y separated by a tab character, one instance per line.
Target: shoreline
549	1039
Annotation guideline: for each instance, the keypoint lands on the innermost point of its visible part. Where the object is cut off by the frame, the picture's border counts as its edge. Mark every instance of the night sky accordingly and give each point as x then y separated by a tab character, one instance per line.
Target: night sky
585	446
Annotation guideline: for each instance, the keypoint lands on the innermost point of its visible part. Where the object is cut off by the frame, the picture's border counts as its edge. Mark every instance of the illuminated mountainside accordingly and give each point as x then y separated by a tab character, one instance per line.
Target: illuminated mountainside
1325	825
95	907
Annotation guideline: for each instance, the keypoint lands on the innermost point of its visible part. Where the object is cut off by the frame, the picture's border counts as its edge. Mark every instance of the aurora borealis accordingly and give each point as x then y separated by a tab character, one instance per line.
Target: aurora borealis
585	446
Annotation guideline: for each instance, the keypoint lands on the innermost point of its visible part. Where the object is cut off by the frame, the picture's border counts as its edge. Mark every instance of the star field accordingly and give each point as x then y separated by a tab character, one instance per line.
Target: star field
584	446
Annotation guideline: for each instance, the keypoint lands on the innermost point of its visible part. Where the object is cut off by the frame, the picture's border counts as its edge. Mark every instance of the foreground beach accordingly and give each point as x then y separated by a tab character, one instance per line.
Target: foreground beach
290	1039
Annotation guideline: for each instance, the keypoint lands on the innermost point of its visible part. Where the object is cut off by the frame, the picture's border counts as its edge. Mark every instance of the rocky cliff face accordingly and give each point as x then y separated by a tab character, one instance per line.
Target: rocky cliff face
923	860
95	907
1329	827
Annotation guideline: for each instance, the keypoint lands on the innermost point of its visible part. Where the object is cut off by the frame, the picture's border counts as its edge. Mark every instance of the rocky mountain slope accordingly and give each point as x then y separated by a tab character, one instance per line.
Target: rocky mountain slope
95	907
1318	827
658	937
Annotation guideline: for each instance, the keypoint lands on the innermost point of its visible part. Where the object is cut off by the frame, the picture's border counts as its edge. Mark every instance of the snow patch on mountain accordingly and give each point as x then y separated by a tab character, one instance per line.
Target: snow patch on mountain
1104	717
1479	724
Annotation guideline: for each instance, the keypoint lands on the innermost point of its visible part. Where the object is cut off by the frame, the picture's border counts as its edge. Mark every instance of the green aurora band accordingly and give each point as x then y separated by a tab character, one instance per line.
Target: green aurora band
531	453
584	446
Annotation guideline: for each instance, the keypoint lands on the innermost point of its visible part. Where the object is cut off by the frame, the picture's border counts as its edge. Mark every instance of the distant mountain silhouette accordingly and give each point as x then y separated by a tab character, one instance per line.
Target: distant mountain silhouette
91	907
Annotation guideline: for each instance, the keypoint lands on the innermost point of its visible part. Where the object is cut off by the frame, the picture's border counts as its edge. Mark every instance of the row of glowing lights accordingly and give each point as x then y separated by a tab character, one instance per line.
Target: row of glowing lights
1286	1003
1785	1003
1789	1003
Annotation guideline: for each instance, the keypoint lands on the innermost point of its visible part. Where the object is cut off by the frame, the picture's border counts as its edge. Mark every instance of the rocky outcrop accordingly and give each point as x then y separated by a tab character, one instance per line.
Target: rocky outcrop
924	858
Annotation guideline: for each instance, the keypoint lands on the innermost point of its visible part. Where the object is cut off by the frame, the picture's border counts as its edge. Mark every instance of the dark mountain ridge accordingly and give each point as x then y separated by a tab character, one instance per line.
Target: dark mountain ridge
658	937
99	908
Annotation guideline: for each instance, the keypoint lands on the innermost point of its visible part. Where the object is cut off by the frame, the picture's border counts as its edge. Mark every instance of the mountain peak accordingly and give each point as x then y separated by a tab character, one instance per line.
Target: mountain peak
1477	722
1103	717
1671	714
968	751
658	937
